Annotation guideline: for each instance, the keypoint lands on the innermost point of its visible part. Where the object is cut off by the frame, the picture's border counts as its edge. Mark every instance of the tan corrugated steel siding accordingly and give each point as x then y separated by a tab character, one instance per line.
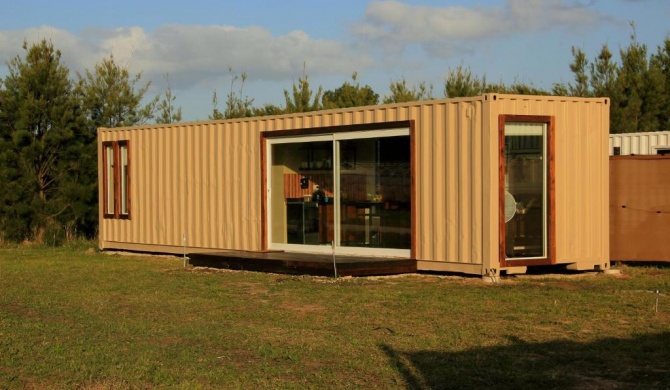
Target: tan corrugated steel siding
449	181
203	179
448	170
581	172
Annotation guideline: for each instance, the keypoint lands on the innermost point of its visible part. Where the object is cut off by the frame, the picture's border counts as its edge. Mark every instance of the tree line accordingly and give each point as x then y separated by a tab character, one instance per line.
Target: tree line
49	119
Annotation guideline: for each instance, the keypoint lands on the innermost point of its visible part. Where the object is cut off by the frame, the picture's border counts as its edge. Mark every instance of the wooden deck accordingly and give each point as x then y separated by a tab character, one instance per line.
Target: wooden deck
303	263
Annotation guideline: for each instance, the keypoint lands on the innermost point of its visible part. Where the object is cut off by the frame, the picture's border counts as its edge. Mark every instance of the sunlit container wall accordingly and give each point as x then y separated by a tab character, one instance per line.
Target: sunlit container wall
581	172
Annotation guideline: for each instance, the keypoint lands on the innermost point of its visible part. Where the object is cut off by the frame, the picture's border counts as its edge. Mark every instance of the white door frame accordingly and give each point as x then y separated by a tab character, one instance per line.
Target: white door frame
327	249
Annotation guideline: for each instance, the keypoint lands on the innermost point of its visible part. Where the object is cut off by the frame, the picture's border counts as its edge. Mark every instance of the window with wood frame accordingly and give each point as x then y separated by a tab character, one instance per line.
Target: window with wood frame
116	179
527	190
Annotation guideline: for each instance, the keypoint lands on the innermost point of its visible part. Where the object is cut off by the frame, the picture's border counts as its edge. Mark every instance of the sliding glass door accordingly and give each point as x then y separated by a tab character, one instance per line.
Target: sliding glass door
348	192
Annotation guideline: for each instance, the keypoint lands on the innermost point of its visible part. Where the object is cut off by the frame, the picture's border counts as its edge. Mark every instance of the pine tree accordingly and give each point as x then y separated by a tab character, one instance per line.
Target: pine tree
350	95
237	105
578	67
301	99
401	93
630	84
460	82
661	60
603	74
44	141
167	112
112	98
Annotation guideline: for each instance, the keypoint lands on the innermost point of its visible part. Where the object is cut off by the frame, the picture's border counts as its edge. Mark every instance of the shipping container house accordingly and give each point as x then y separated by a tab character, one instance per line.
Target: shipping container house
479	185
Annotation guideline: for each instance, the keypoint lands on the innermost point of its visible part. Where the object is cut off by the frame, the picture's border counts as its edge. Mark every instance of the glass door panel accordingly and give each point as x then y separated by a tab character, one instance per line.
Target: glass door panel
525	162
351	191
375	199
301	182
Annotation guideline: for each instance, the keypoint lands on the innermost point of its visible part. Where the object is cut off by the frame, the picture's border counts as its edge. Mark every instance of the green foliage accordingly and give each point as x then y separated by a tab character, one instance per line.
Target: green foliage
44	149
167	112
460	82
112	98
516	88
401	93
237	105
604	74
661	61
267	109
638	86
350	95
578	67
301	99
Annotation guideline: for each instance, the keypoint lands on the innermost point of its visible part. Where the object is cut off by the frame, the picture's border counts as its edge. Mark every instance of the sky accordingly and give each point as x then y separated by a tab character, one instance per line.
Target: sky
197	43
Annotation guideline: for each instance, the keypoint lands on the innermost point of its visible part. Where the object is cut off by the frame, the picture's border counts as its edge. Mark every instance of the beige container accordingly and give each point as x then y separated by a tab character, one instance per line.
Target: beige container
200	185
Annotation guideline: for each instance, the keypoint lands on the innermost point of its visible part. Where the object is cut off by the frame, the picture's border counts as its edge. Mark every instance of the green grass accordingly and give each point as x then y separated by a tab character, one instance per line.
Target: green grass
77	318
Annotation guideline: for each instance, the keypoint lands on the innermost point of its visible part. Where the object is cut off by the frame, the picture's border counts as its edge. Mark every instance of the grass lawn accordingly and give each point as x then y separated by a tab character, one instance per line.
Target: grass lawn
76	318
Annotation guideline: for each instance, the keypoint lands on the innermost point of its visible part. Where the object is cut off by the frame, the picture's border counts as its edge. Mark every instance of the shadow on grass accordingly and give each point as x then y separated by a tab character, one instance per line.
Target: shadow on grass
642	362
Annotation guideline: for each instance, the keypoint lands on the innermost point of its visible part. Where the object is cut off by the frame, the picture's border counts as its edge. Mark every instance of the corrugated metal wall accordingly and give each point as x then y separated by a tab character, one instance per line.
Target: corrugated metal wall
449	175
448	170
581	171
204	179
639	143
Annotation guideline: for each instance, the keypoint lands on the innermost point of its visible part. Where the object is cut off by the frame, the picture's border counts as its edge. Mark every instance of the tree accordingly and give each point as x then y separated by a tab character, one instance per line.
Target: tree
350	95
638	86
629	80
661	61
579	67
112	98
44	140
461	83
167	111
401	93
301	99
641	90
603	74
517	88
237	105
267	109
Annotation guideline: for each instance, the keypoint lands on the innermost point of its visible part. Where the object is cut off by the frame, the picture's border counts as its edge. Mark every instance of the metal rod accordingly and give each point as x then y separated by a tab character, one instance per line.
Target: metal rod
184	239
332	247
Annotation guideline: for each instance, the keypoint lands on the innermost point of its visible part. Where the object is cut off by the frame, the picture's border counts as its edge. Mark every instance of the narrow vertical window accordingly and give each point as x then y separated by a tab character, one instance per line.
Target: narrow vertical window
124	179
116	179
109	182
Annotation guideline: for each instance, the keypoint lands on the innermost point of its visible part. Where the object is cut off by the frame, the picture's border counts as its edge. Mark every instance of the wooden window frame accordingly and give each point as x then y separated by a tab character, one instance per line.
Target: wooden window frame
549	121
117	195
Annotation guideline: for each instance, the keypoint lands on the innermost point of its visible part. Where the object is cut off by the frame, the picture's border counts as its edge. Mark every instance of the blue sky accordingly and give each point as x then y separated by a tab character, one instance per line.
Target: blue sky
196	42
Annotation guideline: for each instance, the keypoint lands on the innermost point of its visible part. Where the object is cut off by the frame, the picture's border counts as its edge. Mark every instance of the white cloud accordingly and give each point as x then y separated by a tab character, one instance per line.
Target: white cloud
394	25
194	54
